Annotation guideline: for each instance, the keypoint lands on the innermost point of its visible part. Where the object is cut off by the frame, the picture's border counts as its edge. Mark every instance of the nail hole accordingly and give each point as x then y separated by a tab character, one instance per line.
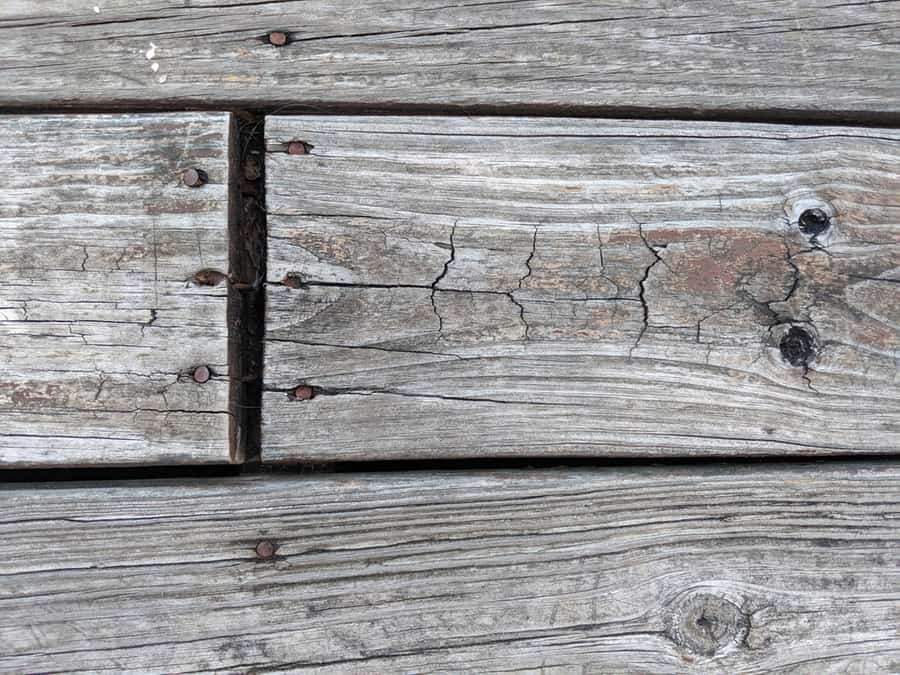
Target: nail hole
302	393
265	549
277	38
194	177
201	374
813	222
798	347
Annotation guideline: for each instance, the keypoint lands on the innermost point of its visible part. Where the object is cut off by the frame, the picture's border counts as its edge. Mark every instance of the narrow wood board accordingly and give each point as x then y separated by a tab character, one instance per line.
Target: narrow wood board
456	287
101	320
713	570
801	57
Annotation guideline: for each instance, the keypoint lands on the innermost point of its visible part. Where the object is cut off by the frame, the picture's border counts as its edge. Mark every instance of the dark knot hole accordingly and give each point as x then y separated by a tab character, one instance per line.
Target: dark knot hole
798	347
813	222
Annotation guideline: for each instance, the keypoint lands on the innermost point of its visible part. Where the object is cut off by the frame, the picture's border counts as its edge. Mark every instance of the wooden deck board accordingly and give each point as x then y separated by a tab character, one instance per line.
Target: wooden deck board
455	287
101	320
741	569
805	56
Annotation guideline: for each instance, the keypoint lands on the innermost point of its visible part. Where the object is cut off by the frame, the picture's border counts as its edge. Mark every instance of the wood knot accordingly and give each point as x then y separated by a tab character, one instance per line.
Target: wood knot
278	38
812	215
798	347
704	624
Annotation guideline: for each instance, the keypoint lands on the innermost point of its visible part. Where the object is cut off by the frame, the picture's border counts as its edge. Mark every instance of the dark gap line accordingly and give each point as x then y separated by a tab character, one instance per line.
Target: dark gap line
111	473
886	119
561	462
247	250
511	464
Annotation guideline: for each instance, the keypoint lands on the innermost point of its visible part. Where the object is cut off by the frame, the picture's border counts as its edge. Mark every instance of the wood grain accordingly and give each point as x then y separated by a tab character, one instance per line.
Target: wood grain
456	287
708	570
102	321
803	57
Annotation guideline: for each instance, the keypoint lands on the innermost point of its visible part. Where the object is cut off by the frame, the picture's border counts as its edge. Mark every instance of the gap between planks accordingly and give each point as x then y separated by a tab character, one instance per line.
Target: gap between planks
788	117
511	465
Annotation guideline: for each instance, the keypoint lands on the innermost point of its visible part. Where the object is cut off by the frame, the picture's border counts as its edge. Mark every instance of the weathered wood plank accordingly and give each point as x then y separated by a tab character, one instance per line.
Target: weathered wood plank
745	56
753	569
469	287
102	321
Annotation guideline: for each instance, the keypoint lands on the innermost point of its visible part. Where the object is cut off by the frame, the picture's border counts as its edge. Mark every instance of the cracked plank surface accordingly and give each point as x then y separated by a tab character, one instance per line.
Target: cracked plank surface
750	569
818	56
101	324
455	287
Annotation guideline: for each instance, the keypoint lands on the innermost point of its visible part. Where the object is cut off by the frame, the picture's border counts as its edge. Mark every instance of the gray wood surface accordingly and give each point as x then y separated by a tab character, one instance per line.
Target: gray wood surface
455	287
101	319
708	570
817	56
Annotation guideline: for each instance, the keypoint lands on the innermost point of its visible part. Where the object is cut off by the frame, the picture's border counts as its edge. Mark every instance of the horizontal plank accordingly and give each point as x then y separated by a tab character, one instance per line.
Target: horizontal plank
455	287
102	322
747	569
805	56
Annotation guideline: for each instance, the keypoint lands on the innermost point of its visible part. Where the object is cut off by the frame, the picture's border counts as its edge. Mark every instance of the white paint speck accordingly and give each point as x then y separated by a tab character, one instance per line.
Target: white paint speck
96	9
151	52
154	66
163	78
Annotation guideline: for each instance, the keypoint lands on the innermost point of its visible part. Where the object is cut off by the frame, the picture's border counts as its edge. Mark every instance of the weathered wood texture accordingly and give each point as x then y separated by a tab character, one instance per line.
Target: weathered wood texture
803	55
470	287
740	570
101	320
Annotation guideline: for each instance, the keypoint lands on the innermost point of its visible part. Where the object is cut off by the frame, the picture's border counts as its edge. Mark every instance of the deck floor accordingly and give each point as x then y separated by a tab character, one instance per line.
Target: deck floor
378	337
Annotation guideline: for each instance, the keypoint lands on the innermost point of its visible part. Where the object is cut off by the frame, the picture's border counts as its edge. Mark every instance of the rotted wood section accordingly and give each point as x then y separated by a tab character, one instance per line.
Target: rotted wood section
725	570
114	256
449	287
743	57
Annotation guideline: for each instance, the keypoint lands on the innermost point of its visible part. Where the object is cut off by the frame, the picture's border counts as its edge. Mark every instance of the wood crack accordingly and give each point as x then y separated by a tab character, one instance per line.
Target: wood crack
440	277
642	286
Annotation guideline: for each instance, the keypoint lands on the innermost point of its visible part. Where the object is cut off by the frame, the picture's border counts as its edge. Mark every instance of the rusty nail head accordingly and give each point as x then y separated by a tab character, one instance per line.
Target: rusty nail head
201	374
265	549
303	393
209	277
297	148
278	38
194	177
293	280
